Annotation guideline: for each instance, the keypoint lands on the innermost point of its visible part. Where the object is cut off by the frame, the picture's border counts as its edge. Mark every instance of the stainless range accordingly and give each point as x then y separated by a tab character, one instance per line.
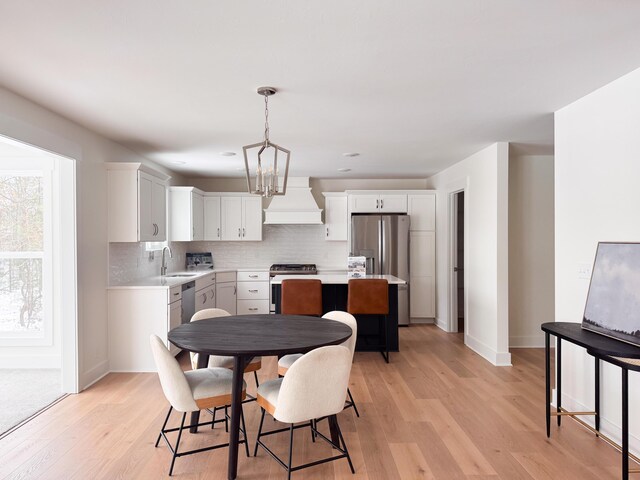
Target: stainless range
289	269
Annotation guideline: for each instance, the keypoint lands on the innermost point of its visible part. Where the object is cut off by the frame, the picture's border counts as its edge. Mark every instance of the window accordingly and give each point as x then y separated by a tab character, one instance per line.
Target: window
25	258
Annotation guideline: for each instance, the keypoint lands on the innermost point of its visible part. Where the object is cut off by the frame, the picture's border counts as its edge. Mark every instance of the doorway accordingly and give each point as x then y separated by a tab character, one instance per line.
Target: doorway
457	293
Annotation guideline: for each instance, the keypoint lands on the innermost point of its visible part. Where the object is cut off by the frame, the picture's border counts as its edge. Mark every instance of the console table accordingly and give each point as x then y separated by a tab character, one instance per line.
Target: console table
615	352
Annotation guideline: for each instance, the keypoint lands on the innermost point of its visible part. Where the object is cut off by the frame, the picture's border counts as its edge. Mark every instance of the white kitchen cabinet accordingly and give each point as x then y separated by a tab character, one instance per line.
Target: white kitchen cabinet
206	292
253	292
422	210
212	218
186	214
226	291
134	314
422	276
136	197
378	203
241	218
335	216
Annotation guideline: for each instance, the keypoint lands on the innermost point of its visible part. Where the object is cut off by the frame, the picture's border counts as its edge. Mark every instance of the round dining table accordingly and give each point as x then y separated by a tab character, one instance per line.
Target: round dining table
246	336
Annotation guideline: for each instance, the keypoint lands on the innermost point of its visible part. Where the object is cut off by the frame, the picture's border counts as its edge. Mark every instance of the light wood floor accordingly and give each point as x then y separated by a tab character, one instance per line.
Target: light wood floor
438	411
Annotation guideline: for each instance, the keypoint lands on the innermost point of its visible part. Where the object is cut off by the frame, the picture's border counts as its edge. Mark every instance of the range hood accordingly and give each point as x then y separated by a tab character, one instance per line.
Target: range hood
296	207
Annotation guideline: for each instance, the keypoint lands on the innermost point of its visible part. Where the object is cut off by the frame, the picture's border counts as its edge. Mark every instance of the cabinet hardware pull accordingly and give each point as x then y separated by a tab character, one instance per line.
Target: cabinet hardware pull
212	293
253	291
176	294
327	231
243	233
218	232
235	289
238	233
204	298
253	309
381	203
253	276
377	203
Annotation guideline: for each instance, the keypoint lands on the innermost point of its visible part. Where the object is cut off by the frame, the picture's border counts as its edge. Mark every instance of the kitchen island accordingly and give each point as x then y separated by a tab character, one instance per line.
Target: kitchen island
334	297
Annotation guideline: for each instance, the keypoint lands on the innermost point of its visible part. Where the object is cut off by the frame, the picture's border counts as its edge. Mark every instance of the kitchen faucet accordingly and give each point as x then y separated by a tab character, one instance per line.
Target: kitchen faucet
163	268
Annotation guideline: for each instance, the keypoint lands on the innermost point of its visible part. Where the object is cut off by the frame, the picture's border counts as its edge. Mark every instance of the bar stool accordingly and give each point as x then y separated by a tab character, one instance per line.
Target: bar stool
369	296
301	297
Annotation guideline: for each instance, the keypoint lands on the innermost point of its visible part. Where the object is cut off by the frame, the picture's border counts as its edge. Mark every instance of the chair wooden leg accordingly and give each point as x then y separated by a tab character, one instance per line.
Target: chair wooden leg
164	425
255	451
175	452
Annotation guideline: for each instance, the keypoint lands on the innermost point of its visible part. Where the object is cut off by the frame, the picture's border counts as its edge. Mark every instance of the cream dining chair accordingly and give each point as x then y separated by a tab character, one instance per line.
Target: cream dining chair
286	361
191	391
315	386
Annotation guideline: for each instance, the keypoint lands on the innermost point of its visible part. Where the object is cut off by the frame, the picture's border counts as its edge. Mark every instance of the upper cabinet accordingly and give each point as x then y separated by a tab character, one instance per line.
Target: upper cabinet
137	202
378	203
212	230
335	216
241	218
186	214
422	210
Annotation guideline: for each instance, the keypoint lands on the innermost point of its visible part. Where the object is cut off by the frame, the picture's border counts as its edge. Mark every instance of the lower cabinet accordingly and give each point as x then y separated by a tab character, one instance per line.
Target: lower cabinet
206	292
253	292
226	291
134	314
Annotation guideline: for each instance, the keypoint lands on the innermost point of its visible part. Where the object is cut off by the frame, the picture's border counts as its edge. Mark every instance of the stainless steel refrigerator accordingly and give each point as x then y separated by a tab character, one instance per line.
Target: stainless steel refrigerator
384	241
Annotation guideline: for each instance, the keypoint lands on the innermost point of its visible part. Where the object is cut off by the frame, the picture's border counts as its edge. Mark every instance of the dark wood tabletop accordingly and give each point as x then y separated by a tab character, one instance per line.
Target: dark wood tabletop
595	343
258	335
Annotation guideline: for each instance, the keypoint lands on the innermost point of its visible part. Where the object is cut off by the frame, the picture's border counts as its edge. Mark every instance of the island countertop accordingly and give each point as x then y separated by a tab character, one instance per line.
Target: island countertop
333	279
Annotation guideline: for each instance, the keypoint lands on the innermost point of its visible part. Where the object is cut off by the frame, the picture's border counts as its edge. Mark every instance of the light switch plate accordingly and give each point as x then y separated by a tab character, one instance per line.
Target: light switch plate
584	271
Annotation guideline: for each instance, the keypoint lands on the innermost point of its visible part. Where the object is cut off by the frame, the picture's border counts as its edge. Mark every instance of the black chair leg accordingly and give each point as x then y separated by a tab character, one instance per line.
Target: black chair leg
255	451
226	419
244	432
215	411
290	451
353	404
164	425
175	452
311	427
344	445
255	375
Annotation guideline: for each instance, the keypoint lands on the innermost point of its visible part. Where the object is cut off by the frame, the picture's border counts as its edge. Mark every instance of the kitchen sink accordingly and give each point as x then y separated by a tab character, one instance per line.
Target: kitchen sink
181	275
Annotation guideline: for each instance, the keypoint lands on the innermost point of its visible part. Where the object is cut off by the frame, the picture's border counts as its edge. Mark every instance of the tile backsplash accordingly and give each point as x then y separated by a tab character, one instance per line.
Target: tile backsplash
280	244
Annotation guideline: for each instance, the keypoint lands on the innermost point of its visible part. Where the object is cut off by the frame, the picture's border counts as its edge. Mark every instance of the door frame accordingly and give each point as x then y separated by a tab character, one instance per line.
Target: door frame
452	281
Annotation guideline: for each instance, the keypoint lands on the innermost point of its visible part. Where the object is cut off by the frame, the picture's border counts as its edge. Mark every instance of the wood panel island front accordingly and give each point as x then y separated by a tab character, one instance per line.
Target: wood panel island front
334	297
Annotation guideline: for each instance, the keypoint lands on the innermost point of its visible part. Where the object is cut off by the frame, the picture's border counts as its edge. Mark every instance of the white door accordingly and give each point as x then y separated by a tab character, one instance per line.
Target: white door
365	203
335	218
146	227
226	297
212	218
252	218
231	218
159	210
393	203
197	216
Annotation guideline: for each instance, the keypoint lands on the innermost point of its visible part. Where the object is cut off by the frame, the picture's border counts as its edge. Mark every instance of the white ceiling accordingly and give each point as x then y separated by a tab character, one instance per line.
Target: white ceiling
414	86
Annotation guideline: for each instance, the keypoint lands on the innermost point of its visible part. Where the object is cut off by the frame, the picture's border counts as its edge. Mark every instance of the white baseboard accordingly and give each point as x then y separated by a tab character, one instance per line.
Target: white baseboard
421	321
442	325
499	359
527	341
31	362
94	374
609	428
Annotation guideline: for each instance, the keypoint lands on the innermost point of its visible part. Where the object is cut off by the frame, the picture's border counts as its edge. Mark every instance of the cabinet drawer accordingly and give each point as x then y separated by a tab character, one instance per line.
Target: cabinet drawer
222	277
175	294
253	276
248	307
208	280
253	290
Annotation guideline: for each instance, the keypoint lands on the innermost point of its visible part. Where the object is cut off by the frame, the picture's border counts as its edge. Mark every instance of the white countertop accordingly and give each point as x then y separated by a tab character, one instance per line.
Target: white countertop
168	281
335	279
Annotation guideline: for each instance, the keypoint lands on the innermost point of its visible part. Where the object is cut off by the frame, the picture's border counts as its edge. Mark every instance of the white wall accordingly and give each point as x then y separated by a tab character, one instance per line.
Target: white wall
25	121
484	176
597	169
531	247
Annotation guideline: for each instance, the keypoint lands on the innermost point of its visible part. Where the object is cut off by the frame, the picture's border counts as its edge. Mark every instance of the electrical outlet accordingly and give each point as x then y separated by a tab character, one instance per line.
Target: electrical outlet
584	271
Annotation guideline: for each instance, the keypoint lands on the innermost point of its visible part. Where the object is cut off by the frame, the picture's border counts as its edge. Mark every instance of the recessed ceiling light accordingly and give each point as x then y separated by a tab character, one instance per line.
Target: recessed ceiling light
178	162
351	154
228	154
344	169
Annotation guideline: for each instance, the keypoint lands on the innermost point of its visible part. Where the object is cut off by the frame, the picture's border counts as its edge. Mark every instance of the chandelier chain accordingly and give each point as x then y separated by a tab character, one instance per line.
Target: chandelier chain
266	120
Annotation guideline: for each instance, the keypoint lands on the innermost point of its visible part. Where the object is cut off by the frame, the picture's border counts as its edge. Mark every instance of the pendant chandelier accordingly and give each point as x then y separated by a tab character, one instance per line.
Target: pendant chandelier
265	161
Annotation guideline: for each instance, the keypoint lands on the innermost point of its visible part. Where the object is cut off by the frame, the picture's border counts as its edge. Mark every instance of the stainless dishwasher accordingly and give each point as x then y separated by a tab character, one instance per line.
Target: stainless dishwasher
188	301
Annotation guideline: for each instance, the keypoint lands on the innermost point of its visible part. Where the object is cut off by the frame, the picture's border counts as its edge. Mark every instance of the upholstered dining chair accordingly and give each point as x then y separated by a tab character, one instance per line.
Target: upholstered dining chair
191	391
286	361
301	297
370	296
315	386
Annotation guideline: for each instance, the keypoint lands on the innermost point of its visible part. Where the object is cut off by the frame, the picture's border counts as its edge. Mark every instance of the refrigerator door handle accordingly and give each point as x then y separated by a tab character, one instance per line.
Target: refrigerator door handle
381	246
